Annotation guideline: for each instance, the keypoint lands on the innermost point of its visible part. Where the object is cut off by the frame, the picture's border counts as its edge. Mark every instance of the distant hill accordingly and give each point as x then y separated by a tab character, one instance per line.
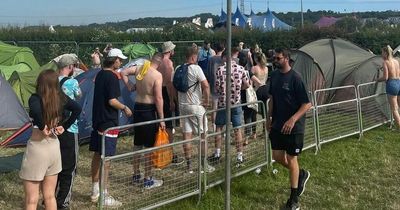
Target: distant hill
152	22
291	18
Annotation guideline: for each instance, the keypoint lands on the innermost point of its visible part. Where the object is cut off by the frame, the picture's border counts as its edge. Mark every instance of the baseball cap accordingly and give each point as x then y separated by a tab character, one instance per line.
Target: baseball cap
116	53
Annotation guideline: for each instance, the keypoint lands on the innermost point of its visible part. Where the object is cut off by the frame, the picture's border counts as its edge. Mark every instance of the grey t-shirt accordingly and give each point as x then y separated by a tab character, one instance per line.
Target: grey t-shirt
194	95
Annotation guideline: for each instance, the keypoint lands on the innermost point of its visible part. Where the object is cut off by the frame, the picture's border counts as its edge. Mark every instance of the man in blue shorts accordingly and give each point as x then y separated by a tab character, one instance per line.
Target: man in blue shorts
239	81
286	122
105	115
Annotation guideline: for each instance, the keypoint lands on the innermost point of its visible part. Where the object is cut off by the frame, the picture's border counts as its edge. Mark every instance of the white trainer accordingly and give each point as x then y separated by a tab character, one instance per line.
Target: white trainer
111	202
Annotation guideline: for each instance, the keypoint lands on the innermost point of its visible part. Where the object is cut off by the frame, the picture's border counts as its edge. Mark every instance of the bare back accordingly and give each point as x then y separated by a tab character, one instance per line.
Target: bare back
393	68
145	87
166	68
261	74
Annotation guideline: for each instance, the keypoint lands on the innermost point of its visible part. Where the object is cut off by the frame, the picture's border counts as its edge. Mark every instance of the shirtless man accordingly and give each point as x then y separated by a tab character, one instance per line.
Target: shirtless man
166	68
391	74
148	106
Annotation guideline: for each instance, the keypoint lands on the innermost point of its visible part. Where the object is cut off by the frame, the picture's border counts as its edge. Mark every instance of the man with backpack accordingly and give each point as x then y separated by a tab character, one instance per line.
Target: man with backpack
193	94
69	139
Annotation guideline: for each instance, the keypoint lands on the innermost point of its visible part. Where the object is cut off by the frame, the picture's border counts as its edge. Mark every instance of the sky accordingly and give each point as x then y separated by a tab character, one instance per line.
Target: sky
82	12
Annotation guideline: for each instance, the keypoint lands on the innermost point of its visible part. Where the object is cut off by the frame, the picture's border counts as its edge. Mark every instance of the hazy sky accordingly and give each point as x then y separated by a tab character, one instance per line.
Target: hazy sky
78	12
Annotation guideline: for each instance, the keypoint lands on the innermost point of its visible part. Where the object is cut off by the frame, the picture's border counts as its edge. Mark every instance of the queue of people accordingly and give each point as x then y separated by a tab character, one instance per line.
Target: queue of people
55	112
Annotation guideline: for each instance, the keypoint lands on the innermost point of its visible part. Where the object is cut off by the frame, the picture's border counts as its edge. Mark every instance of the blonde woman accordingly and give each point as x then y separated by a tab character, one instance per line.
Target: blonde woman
391	74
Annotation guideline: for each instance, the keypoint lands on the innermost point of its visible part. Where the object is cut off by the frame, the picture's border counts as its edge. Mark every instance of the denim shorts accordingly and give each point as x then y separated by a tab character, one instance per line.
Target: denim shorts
236	117
393	87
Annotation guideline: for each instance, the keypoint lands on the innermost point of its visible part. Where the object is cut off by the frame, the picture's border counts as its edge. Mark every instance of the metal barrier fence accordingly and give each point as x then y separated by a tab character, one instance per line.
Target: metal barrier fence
178	181
372	97
255	154
365	108
338	119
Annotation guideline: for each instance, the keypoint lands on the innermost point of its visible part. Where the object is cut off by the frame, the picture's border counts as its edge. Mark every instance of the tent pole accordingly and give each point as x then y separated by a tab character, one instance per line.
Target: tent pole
302	18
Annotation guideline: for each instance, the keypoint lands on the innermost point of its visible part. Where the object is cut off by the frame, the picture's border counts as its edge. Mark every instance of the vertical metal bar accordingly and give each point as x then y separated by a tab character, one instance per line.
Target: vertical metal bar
200	152
102	186
317	122
360	118
228	107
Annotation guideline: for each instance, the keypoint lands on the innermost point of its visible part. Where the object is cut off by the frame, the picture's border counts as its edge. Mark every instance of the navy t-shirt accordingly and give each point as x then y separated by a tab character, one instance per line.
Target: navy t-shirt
288	94
106	87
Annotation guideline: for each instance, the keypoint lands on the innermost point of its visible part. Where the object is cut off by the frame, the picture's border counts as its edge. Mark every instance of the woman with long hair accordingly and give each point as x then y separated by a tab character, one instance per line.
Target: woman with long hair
42	158
391	74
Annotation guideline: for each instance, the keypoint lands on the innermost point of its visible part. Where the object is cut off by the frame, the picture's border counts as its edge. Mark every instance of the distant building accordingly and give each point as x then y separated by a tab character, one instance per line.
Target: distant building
134	30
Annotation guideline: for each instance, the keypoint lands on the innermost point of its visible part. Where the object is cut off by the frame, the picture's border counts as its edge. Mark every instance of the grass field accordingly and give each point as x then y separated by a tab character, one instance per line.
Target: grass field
346	174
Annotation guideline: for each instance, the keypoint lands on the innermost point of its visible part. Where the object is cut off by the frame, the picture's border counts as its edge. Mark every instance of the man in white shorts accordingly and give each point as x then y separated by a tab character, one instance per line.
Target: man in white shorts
190	102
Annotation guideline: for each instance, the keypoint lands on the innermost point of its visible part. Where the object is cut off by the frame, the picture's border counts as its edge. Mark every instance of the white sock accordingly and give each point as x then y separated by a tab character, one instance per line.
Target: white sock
218	152
95	186
240	156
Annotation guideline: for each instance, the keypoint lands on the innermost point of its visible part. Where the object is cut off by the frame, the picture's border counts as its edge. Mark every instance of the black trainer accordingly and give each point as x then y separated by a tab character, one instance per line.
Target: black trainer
304	175
292	205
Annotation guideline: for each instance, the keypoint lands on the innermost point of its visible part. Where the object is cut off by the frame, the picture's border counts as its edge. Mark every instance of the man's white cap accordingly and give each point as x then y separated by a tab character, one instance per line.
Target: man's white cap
116	53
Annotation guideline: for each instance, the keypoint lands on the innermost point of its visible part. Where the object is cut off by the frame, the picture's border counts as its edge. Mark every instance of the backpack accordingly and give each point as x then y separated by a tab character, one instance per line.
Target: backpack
181	80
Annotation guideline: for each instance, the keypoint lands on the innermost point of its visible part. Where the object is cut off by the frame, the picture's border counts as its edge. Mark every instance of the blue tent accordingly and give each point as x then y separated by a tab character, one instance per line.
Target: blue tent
268	22
239	19
222	17
15	126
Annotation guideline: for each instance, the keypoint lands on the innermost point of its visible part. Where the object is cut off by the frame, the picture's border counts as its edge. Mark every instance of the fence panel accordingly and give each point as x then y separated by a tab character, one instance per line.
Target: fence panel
178	181
255	154
338	119
374	105
45	51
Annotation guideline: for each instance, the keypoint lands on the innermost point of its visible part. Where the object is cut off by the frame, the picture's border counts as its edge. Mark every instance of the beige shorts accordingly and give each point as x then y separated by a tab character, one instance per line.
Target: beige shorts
41	158
191	124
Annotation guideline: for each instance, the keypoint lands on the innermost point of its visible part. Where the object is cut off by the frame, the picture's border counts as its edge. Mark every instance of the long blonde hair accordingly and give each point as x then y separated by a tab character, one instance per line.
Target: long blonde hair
48	88
388	52
261	59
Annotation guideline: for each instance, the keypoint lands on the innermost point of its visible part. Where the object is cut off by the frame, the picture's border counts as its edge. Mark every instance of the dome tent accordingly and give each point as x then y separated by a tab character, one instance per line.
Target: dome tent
327	63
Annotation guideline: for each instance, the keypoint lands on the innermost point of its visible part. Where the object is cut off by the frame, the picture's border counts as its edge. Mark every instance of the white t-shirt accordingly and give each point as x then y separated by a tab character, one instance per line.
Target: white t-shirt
194	95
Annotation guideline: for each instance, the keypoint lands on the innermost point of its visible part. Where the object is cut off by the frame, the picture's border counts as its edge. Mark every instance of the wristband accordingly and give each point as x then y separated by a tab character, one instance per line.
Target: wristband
123	109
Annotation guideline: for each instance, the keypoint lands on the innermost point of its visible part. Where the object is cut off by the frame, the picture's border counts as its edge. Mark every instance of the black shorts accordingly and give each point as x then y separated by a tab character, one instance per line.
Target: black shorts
292	143
145	135
166	107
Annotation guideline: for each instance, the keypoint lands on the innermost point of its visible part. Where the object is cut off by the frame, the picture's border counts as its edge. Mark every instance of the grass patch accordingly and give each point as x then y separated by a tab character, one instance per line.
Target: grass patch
345	174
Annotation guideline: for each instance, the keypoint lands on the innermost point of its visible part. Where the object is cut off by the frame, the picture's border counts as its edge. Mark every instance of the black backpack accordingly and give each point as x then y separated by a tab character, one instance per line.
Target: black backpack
181	80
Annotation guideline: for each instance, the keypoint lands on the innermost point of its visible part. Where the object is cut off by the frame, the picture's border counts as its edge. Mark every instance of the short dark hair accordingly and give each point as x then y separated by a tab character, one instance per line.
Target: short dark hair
284	52
190	51
219	47
109	61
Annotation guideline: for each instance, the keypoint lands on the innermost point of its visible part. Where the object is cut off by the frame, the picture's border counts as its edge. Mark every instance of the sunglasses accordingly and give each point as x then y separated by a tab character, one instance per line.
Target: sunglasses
278	58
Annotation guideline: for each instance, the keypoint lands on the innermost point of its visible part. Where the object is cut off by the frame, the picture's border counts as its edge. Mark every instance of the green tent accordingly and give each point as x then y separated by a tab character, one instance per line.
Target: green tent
11	55
6	71
138	50
24	83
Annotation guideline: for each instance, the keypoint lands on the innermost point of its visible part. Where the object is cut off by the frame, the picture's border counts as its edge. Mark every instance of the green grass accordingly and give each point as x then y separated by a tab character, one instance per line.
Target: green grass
345	174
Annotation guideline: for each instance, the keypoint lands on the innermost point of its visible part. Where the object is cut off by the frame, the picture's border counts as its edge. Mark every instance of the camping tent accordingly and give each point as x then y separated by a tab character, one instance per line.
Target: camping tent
139	50
12	55
327	63
15	128
325	21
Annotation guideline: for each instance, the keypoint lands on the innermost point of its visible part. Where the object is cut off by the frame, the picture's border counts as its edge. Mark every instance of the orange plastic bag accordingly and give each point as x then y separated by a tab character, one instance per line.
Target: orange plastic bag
161	157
